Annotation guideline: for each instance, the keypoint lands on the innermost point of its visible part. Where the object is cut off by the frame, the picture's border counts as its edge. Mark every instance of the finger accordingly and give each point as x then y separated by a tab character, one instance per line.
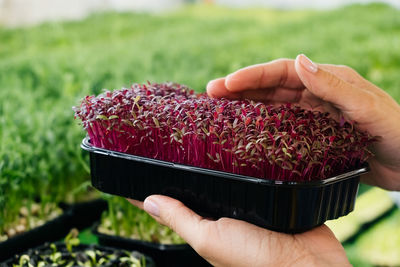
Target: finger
136	203
351	76
277	73
388	176
342	71
219	242
216	89
329	87
175	215
245	77
273	95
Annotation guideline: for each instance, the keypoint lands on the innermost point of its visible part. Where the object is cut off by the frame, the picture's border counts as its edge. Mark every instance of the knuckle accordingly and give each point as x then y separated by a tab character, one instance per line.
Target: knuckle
368	107
207	229
350	70
370	101
224	222
334	81
345	67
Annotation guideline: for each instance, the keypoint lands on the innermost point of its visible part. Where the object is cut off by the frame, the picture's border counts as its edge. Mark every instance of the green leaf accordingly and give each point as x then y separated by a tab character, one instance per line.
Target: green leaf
113	117
101	117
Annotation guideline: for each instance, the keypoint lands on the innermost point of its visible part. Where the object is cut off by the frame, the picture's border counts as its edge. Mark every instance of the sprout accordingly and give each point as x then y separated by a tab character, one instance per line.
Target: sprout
168	121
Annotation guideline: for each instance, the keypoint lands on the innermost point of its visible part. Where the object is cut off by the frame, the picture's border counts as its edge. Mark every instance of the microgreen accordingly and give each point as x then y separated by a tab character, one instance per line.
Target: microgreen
169	122
125	220
73	254
30	215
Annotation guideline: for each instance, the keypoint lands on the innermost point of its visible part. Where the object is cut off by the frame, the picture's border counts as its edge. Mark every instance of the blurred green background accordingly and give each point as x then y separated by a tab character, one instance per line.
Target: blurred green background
47	69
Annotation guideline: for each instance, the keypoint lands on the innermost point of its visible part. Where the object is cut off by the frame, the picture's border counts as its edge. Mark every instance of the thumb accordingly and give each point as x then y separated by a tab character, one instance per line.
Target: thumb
175	215
328	86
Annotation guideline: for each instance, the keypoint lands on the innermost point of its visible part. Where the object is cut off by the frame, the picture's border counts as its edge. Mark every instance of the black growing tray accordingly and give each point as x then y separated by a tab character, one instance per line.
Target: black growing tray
34	253
50	231
84	214
78	215
290	207
164	255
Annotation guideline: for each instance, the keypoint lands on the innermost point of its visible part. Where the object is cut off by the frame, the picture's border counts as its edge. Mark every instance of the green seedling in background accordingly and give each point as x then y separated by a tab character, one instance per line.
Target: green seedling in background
125	220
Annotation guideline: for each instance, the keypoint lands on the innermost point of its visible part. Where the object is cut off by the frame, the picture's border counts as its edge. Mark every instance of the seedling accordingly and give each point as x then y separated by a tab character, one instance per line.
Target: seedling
280	167
73	254
123	219
170	122
30	216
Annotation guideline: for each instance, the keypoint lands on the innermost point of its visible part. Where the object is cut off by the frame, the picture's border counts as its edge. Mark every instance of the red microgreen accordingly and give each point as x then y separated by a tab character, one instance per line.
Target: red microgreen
170	122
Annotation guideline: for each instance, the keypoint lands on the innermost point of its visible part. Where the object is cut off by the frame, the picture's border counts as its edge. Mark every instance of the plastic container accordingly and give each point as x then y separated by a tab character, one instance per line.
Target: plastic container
84	214
290	207
35	254
52	230
78	215
164	255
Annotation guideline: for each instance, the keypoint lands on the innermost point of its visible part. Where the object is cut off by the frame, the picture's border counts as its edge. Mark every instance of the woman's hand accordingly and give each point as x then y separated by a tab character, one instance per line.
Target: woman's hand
337	89
230	242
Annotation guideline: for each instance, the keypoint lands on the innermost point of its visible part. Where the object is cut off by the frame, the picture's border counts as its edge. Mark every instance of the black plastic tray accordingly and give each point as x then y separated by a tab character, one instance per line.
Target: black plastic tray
77	215
52	230
84	214
290	207
164	255
33	253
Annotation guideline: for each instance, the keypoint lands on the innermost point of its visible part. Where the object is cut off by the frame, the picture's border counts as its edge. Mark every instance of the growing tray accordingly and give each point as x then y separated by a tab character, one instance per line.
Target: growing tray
84	214
50	231
34	254
164	255
78	215
290	207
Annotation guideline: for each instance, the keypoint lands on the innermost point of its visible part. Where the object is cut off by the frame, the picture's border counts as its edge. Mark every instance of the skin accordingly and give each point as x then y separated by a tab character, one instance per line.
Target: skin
337	89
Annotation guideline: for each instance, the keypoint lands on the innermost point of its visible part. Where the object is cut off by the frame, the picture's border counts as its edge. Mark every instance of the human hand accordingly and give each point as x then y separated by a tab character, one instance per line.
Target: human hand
337	89
230	242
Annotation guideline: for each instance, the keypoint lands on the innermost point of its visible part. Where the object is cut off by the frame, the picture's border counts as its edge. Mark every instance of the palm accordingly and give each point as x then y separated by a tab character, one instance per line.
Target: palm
278	249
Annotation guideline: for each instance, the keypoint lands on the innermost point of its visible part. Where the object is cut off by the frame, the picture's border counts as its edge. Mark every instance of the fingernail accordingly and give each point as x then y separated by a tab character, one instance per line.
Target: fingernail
151	207
307	63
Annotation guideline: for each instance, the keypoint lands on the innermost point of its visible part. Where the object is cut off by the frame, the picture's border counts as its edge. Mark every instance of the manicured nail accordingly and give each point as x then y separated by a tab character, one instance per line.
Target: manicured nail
151	207
307	63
